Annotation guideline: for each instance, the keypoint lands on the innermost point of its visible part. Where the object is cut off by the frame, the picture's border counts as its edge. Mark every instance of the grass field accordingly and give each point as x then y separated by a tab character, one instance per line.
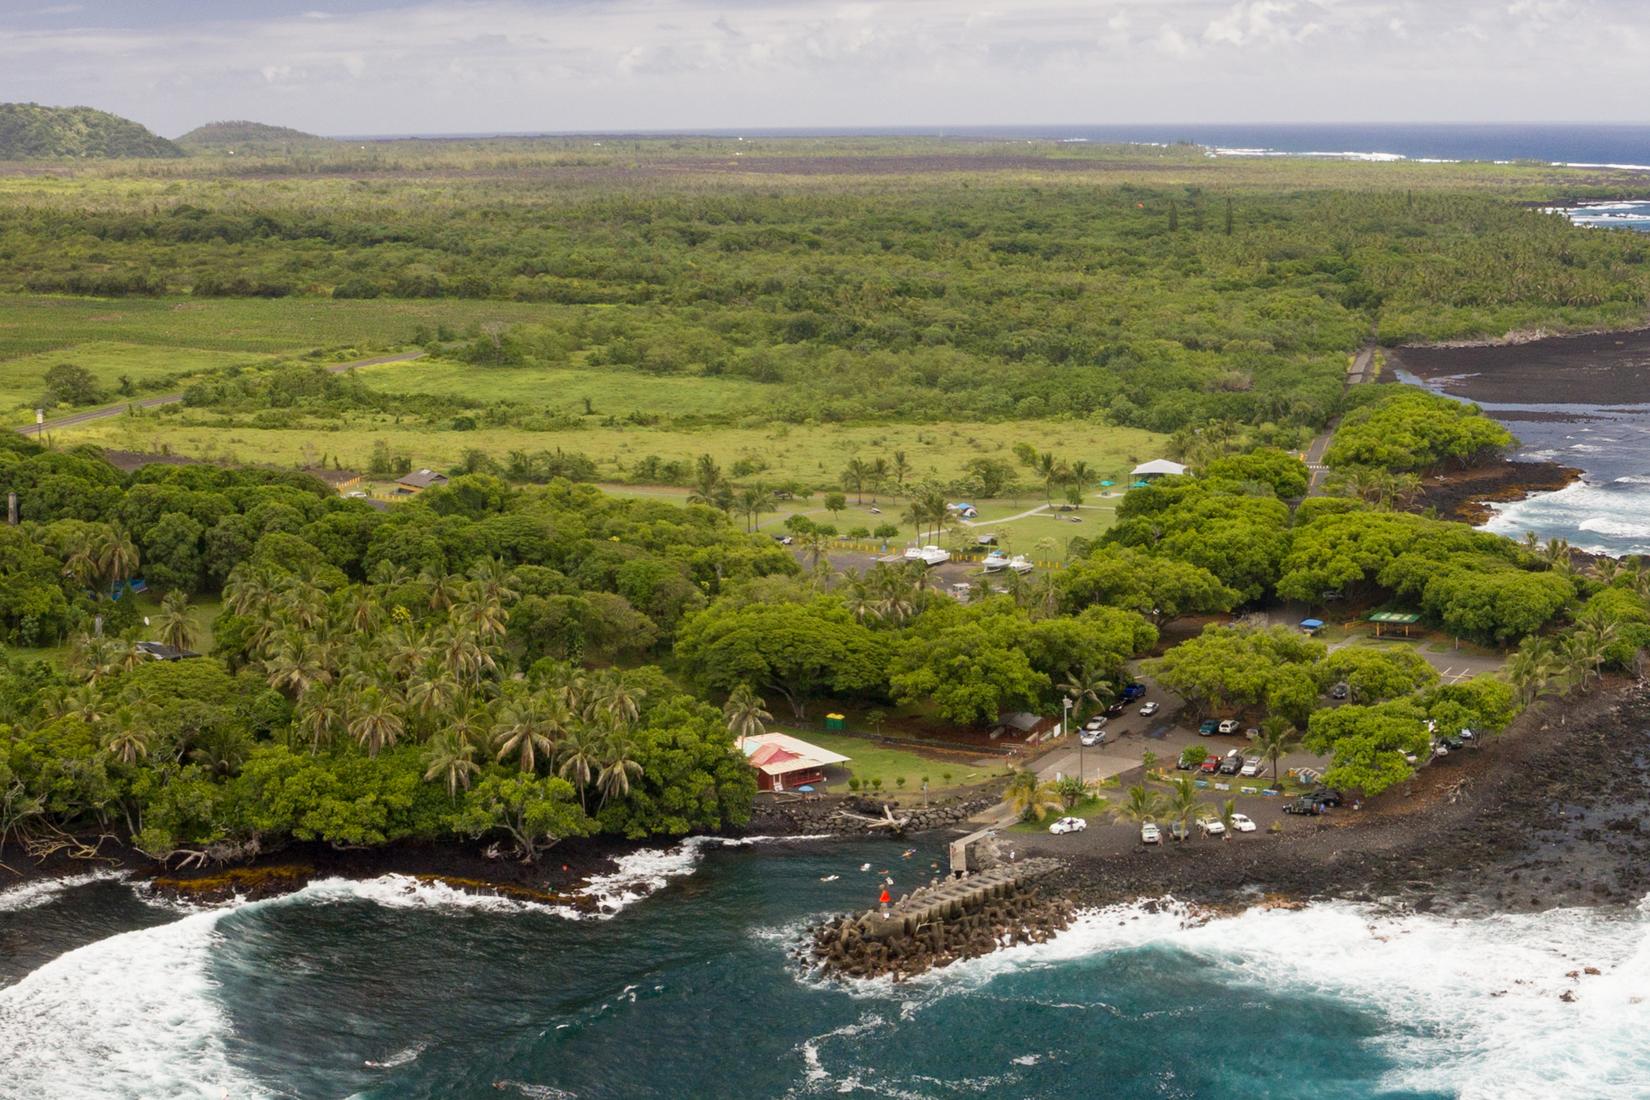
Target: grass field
808	454
873	760
610	393
151	368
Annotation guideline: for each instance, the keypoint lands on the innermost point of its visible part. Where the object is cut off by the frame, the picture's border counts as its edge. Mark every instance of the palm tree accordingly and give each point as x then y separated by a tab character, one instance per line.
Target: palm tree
613	699
876	474
1533	668
1228	810
1030	798
1143	805
580	758
746	712
901	470
452	760
1276	738
1183	804
432	691
528	726
854	476
321	715
117	556
1081	686
128	742
295	664
177	628
376	721
614	780
707	478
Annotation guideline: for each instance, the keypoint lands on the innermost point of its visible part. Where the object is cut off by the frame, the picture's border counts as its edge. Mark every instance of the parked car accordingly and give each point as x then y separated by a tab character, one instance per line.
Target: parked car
1098	722
1211	827
1340	690
1241	823
1116	708
1149	834
1149	709
1068	825
1230	725
1178	830
1207	727
1251	766
1231	765
1133	691
1453	744
1091	738
1210	765
1304	805
1326	796
1251	733
783	540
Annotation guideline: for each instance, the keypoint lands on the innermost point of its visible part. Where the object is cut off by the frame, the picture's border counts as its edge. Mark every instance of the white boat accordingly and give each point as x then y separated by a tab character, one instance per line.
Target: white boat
1021	564
928	555
994	561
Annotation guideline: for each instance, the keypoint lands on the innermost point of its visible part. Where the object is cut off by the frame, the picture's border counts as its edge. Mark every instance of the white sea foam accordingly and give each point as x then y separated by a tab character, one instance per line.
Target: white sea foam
131	1015
645	872
32	895
1475	1003
1615	528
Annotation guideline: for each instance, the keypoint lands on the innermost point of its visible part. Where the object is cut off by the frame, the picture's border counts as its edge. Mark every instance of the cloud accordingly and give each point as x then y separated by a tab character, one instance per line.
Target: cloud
364	66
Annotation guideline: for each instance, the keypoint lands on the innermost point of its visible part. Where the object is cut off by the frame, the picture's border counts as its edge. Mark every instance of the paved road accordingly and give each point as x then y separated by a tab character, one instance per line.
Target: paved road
1360	370
174	398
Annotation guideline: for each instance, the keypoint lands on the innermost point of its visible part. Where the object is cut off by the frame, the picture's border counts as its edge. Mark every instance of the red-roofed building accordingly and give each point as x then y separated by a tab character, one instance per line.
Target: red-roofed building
784	763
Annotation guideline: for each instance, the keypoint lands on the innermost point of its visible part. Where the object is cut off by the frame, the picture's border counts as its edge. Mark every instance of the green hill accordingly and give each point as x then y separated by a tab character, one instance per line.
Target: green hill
29	131
249	137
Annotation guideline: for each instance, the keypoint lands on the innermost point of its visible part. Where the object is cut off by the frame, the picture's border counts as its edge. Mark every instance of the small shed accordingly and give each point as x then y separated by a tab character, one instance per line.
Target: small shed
1158	467
419	480
1022	724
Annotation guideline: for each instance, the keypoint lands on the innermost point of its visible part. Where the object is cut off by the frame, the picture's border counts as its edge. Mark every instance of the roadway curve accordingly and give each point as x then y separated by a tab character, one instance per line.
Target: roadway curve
173	398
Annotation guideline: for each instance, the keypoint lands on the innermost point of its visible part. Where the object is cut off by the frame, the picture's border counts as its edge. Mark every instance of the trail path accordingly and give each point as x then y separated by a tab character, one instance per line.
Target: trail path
173	398
1359	371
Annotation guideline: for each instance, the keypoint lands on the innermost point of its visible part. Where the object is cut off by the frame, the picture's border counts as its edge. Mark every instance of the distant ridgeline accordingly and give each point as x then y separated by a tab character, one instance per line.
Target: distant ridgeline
249	137
29	131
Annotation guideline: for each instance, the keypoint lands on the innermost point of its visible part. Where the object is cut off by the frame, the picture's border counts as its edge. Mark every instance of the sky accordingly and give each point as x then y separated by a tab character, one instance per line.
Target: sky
465	66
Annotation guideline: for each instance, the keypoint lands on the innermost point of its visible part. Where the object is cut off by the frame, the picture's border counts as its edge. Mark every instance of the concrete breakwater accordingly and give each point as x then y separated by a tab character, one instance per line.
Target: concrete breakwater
961	918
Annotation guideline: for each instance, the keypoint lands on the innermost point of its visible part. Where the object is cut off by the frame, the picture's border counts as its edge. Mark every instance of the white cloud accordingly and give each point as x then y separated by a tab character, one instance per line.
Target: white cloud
570	64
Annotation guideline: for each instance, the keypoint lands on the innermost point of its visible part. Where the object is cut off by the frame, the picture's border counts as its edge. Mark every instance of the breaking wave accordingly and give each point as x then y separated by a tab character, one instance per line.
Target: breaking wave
32	895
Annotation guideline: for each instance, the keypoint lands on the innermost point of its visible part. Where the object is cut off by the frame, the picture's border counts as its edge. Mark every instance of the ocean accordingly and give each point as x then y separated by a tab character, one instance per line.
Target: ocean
392	988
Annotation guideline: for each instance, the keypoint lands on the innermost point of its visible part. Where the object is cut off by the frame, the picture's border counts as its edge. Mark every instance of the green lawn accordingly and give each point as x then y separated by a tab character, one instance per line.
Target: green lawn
1089	809
872	760
565	390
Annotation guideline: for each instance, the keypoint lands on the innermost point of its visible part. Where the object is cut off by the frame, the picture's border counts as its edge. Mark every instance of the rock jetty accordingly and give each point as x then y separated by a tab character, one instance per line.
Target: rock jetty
961	918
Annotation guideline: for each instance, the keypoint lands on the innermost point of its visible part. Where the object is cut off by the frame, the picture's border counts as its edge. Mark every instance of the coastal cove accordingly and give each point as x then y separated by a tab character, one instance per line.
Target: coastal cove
1579	401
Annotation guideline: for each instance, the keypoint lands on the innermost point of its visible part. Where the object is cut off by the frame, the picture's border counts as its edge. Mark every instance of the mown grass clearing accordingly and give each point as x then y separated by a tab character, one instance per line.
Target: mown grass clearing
608	393
812	455
873	761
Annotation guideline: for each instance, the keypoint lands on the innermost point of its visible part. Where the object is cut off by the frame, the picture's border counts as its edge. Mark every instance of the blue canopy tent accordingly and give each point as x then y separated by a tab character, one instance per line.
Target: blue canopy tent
1311	626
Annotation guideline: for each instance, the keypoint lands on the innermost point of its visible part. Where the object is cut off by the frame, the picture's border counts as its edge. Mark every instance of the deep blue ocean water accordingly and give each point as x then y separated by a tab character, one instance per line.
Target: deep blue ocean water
391	989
